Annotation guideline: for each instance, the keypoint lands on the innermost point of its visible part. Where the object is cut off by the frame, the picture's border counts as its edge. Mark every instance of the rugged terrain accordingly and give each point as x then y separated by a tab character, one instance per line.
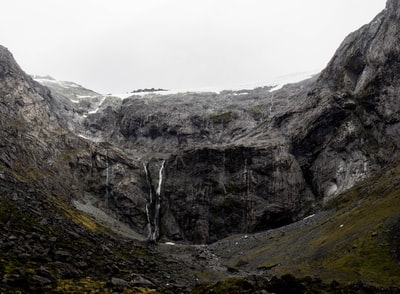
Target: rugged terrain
302	181
243	161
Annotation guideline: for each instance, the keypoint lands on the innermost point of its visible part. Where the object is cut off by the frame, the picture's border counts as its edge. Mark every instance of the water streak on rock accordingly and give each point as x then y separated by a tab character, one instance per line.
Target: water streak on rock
153	206
107	180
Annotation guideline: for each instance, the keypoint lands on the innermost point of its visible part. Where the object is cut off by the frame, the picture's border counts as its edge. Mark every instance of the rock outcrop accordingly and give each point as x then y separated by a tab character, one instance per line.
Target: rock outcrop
349	120
38	150
215	192
200	132
339	131
84	171
238	161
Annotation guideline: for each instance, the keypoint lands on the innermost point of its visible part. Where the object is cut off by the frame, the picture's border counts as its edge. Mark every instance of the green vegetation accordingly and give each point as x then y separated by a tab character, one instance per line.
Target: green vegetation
26	173
77	216
288	284
257	111
21	270
81	286
89	285
221	118
209	277
357	241
10	214
360	247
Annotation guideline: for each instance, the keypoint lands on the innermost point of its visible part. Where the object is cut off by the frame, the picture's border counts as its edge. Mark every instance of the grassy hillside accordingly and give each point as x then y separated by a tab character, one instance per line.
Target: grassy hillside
358	240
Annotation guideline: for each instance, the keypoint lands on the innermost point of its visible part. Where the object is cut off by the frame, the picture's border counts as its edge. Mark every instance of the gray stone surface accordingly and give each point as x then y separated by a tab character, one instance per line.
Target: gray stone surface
237	161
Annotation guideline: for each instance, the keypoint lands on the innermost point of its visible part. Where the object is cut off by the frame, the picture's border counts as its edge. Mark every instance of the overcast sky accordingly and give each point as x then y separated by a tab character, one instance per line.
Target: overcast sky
114	46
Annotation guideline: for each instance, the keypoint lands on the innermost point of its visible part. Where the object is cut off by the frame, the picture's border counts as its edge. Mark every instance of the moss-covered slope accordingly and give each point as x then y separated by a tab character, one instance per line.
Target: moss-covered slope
357	239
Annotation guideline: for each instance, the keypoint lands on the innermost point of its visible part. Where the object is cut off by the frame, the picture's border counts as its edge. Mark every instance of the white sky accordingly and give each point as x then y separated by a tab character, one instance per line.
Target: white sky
114	46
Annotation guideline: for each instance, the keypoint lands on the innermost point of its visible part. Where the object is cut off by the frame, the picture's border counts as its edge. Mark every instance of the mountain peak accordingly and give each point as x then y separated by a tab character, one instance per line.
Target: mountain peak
393	6
4	50
8	65
195	168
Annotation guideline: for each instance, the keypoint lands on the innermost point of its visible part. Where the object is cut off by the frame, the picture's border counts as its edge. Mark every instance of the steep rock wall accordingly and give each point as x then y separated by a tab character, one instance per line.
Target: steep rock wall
211	193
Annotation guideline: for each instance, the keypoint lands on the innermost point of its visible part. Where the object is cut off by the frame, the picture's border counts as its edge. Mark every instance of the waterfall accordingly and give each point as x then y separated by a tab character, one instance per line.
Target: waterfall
248	213
148	179
153	206
156	220
246	195
272	100
107	180
160	178
148	222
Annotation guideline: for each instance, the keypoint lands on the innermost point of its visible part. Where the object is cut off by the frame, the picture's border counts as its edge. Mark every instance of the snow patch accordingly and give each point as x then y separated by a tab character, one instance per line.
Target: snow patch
122	95
93	139
85	96
275	83
84	137
310	216
98	106
279	82
240	94
63	84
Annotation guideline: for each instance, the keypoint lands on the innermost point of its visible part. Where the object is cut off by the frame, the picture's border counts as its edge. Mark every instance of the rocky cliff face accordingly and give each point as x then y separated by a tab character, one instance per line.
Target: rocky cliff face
196	134
238	161
39	151
214	192
338	132
194	167
350	117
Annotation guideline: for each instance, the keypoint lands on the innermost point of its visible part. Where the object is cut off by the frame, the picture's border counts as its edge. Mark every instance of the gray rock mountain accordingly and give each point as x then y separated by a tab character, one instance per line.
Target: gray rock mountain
85	171
242	161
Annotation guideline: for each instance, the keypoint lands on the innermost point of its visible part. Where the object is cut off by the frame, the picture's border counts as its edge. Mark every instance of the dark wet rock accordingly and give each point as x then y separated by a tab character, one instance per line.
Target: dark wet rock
40	281
119	283
139	281
235	162
215	192
62	255
246	161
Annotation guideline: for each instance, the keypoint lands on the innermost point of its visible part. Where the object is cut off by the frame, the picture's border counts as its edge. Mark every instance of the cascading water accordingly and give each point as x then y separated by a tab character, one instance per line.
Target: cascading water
153	206
160	178
271	104
107	180
158	204
148	179
248	214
